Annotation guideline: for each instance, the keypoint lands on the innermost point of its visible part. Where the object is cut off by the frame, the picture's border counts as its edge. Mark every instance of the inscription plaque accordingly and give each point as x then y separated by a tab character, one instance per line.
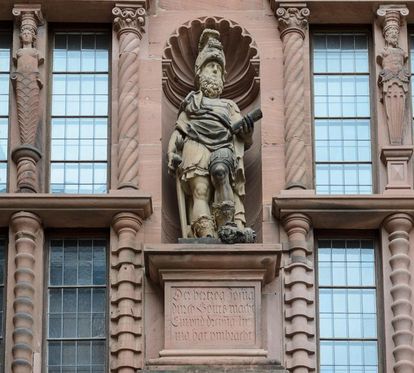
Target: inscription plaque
203	315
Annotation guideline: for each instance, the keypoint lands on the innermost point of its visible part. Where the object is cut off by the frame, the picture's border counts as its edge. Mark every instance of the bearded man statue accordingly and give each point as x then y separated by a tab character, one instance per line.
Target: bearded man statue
205	153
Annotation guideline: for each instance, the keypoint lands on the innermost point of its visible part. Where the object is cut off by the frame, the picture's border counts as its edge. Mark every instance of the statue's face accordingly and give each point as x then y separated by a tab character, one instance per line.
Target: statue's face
27	36
391	36
211	79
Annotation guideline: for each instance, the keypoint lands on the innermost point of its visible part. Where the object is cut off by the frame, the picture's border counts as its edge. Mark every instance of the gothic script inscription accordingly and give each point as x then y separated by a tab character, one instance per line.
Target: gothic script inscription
211	317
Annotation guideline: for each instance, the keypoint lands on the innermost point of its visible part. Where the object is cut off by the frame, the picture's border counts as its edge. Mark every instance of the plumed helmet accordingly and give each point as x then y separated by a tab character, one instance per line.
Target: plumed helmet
209	49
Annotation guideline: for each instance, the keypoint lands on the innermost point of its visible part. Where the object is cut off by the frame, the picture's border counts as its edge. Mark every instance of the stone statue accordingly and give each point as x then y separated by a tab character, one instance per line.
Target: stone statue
27	85
394	78
205	153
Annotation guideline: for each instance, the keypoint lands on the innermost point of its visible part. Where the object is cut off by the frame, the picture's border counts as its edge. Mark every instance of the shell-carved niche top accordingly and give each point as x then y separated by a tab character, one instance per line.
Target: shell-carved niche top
242	61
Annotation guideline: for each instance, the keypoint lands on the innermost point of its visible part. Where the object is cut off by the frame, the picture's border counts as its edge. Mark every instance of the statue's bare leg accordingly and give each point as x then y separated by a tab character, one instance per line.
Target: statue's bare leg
202	221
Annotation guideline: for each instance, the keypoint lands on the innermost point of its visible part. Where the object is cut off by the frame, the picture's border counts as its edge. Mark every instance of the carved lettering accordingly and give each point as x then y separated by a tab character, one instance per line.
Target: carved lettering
203	317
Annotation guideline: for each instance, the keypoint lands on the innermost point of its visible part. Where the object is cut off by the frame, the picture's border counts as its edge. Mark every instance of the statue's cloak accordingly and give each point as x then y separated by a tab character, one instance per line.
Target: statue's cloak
206	126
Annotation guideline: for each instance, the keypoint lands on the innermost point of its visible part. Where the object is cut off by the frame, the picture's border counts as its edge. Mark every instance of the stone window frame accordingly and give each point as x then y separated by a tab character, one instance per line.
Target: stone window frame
76	234
355	234
78	27
363	28
7	29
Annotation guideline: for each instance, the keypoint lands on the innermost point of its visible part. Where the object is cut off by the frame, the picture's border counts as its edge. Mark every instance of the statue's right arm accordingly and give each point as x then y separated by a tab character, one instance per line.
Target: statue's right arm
174	150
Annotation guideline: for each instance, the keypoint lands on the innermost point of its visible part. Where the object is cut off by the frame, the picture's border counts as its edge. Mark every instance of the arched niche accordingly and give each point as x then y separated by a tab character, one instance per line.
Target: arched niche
242	85
242	61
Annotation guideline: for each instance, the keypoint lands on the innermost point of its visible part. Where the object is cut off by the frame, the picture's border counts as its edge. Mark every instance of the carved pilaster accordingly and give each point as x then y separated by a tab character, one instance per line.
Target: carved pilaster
25	226
27	87
398	227
292	25
126	296
299	296
129	23
394	77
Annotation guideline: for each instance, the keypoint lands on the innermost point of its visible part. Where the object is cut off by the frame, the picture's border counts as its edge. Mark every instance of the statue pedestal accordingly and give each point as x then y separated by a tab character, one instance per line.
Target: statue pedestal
212	301
396	158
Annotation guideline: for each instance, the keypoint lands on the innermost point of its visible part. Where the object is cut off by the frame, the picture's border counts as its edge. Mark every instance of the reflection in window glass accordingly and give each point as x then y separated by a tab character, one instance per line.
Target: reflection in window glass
77	306
347	306
2	298
5	47
79	121
342	113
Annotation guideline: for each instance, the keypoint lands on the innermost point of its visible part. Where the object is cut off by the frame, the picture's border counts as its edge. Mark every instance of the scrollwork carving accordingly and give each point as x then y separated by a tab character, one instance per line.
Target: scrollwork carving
292	20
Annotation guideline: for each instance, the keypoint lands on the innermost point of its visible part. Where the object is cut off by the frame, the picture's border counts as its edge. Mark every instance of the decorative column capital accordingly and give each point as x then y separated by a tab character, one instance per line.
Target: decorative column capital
29	17
391	17
130	18
292	17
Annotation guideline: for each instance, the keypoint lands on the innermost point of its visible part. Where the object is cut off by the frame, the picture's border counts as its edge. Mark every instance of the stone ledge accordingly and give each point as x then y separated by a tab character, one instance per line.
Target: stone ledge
74	210
271	368
345	211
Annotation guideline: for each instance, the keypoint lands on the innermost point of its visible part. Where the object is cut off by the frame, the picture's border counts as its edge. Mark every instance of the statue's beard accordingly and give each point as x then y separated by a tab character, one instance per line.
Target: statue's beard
211	86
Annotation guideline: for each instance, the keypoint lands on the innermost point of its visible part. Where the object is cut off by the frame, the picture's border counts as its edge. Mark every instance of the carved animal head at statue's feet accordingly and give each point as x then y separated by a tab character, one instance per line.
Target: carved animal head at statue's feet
204	226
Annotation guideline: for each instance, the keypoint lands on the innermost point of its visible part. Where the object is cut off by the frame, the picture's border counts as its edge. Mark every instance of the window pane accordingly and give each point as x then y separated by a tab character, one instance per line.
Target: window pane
342	113
77	303
79	112
5	56
347	306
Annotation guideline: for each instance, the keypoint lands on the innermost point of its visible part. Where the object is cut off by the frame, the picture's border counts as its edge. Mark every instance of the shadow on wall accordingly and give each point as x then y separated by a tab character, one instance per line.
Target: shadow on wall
242	86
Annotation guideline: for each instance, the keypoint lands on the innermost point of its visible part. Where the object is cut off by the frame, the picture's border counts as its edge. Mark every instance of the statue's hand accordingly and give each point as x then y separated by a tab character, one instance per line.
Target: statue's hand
246	130
174	161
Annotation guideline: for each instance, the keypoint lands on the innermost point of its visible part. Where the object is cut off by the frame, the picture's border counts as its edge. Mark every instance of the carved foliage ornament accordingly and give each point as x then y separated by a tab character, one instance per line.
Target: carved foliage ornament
292	20
394	77
129	19
241	55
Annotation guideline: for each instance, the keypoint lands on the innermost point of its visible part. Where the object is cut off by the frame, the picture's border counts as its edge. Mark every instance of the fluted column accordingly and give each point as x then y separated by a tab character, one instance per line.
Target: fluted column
126	295
129	23
292	25
27	88
25	226
299	296
398	227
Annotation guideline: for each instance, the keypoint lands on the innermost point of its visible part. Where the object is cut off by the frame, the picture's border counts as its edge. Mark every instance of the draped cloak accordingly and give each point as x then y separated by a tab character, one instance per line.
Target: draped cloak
205	124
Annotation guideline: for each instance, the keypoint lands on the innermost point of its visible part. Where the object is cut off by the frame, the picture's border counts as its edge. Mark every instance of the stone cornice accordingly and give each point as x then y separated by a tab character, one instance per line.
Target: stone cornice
292	17
130	17
65	211
345	211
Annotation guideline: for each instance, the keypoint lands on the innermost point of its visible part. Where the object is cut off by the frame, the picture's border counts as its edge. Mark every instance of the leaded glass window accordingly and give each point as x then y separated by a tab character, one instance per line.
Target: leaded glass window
2	298
79	123
348	338
342	135
5	47
77	306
